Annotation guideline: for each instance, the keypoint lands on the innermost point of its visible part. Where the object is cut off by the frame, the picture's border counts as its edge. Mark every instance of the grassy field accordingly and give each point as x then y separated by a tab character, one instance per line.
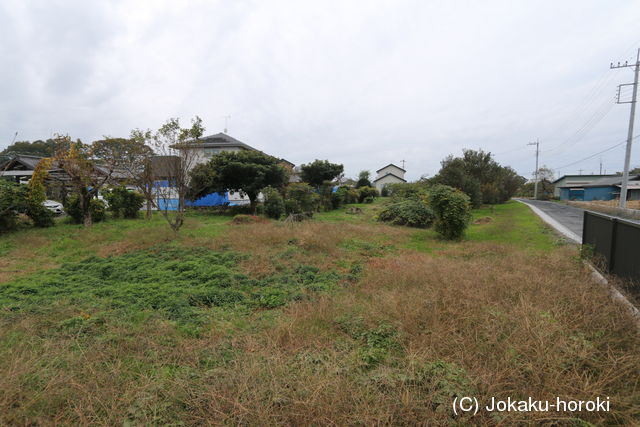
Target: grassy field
339	320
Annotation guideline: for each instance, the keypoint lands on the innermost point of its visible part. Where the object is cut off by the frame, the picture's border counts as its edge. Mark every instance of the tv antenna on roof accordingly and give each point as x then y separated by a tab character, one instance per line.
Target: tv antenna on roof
226	122
403	162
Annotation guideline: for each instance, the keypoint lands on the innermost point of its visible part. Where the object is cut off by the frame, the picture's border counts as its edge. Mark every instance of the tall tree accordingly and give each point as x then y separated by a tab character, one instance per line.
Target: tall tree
88	167
246	172
364	179
137	160
319	171
478	175
177	147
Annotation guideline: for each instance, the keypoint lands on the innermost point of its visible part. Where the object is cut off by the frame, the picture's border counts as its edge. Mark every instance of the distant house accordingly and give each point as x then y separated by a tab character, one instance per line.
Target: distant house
20	168
595	187
390	174
207	147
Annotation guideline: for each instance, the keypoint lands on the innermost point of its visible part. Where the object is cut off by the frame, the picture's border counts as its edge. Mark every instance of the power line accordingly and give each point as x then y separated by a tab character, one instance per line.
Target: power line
591	122
593	155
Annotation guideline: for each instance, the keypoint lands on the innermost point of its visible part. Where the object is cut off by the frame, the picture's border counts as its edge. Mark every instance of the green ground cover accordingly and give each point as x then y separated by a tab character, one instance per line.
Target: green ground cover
339	320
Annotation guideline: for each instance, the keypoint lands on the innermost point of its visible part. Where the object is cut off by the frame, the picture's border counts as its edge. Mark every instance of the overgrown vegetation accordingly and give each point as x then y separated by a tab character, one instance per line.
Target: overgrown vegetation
124	203
360	329
73	208
411	212
479	176
452	209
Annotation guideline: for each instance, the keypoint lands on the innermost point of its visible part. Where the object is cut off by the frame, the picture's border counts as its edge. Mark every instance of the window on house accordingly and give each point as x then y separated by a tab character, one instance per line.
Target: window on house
210	152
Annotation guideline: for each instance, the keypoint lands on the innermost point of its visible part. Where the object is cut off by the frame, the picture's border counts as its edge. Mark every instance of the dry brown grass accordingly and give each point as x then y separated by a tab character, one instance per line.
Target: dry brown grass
517	325
485	319
610	207
319	244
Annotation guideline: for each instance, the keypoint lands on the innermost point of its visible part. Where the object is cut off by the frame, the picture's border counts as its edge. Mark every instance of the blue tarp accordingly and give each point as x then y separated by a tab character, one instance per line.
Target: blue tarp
213	199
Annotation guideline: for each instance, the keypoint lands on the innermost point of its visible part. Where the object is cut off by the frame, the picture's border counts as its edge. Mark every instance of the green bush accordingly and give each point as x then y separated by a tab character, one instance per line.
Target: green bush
273	203
41	216
409	212
74	210
344	195
12	202
325	191
300	197
124	203
367	194
453	211
407	190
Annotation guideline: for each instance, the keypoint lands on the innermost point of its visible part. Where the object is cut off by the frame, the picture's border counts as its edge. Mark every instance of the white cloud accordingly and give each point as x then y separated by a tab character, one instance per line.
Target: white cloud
362	83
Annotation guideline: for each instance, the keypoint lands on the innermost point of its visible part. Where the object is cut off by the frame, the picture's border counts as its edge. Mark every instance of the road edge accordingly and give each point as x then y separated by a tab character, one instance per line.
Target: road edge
553	223
595	274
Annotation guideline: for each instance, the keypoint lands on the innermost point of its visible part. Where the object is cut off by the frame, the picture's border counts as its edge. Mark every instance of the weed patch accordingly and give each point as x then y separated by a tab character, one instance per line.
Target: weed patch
181	283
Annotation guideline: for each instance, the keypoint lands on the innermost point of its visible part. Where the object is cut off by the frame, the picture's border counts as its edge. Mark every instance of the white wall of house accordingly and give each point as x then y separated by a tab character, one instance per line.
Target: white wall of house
383	178
391	169
389	179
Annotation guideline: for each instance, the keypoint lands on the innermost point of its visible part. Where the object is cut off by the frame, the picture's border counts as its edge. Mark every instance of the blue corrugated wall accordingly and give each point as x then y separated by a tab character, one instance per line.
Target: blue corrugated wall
569	194
599	193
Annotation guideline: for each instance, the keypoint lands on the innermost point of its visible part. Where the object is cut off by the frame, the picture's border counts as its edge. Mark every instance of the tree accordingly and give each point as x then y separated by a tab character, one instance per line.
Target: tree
137	160
12	201
319	171
454	173
363	179
40	148
88	167
479	176
246	172
41	216
178	156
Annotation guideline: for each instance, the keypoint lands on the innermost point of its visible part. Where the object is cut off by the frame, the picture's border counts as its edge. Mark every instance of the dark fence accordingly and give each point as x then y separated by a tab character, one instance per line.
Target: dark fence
615	241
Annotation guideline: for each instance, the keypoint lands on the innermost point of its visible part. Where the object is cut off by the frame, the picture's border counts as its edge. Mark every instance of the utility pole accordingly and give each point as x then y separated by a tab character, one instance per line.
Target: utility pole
403	161
627	155
535	186
600	165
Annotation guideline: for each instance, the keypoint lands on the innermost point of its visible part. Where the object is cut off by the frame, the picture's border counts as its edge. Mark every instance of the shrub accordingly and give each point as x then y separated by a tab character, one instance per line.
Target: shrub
415	190
300	198
41	216
344	195
12	202
325	192
367	194
74	210
385	191
273	203
124	203
409	212
452	209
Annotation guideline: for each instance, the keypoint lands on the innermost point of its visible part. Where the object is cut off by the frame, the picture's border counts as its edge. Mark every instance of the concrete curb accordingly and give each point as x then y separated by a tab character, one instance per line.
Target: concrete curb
554	224
595	274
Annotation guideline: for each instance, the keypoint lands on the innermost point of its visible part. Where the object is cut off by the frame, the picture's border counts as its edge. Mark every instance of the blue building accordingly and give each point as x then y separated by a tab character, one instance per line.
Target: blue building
601	188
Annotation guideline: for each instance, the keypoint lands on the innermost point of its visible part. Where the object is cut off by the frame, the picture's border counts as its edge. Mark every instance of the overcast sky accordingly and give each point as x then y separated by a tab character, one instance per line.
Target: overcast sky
363	83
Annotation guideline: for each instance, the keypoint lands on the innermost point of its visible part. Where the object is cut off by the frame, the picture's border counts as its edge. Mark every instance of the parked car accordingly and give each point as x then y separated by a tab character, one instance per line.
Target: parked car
53	206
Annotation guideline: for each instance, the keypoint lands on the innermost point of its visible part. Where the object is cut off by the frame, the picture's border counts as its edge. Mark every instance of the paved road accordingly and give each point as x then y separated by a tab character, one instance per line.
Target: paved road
569	216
